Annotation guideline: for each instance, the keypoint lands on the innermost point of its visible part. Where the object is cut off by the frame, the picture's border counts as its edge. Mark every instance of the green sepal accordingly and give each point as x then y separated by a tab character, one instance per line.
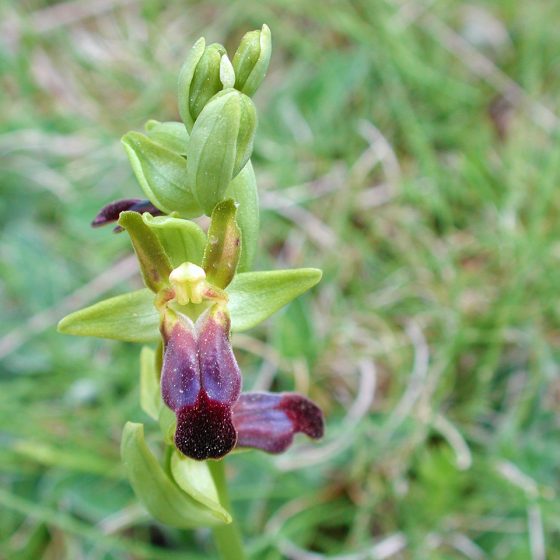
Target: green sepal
220	145
182	240
150	394
161	496
130	317
161	174
195	478
254	296
251	60
221	254
171	135
185	81
154	262
243	189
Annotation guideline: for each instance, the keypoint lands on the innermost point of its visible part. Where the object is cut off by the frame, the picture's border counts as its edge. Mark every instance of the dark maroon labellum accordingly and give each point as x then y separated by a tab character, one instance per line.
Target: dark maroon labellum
200	382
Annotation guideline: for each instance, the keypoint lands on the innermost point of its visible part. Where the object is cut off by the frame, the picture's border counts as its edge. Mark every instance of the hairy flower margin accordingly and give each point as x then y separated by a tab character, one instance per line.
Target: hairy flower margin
199	287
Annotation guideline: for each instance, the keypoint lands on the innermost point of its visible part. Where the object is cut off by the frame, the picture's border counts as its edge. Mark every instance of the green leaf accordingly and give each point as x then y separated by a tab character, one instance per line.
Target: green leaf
156	490
150	395
162	174
222	249
154	262
254	296
243	189
182	240
171	135
130	317
195	478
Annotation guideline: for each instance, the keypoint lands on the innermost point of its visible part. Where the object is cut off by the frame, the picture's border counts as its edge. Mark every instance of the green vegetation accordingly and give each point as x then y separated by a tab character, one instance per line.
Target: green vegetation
420	173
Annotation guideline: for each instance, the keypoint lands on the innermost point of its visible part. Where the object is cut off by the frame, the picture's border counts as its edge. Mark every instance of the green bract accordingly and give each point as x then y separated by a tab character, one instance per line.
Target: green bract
251	60
220	145
163	498
243	189
150	400
194	478
161	174
171	135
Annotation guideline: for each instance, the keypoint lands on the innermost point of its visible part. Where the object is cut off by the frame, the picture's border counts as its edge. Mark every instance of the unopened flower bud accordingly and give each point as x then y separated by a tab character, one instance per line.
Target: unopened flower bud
199	80
251	60
220	145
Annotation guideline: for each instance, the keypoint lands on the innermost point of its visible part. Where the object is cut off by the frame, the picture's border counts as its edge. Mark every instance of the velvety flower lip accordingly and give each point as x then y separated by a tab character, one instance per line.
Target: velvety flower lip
201	383
269	421
110	212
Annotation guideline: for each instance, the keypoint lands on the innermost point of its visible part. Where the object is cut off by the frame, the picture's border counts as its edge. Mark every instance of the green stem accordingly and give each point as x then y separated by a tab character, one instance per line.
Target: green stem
227	537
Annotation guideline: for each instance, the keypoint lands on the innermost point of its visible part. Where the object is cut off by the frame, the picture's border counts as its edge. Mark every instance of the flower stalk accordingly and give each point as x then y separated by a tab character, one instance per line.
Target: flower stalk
227	537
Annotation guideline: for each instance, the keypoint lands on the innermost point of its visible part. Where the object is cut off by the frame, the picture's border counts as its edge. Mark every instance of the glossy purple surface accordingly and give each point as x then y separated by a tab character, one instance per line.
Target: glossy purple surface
180	374
200	381
221	377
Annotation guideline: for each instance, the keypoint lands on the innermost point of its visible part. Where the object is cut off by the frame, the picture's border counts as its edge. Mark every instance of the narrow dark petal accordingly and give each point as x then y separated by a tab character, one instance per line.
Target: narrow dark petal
219	372
146	206
180	374
268	421
205	430
110	212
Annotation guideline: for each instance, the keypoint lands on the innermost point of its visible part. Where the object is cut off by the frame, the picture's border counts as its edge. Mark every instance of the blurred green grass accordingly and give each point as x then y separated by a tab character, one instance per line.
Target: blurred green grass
411	150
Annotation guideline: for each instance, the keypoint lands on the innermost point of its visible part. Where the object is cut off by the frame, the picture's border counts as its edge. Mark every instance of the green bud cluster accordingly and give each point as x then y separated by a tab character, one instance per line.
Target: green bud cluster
186	169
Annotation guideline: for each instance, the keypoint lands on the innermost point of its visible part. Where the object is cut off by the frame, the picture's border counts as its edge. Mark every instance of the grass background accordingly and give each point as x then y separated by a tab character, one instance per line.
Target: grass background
412	151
